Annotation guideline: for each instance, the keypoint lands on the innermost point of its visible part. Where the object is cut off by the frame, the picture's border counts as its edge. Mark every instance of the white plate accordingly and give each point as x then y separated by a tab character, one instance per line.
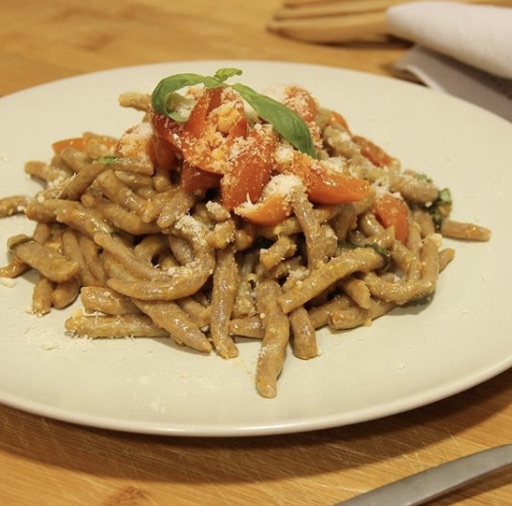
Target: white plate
407	359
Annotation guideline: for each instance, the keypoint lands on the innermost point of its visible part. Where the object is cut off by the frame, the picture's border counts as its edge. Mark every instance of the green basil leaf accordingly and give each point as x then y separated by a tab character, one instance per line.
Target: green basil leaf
224	74
174	83
289	124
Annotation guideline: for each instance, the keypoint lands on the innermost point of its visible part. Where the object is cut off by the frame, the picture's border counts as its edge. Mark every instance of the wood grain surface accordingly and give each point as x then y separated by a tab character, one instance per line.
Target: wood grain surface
46	462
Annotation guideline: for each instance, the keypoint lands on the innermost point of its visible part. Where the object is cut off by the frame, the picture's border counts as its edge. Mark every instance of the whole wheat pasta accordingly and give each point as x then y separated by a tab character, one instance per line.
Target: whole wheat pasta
344	221
284	247
304	343
247	327
133	100
126	256
138	166
245	235
50	263
275	340
42	296
42	232
46	172
414	187
119	217
12	205
355	316
179	205
150	247
72	250
223	233
44	210
80	183
120	326
65	293
86	221
169	316
202	315
75	159
348	262
406	290
162	179
217	227
358	291
103	300
311	228
225	282
120	193
186	280
245	303
91	253
181	249
468	231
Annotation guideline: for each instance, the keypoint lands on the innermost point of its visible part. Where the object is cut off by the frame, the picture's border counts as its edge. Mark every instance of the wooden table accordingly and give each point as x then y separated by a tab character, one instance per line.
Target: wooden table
47	462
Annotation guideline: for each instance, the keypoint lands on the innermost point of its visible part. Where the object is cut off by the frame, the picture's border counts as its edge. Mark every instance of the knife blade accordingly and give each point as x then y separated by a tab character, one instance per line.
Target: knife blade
434	482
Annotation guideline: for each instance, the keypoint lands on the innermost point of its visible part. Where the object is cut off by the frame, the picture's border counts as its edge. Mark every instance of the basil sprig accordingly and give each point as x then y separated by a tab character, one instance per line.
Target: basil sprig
441	207
286	122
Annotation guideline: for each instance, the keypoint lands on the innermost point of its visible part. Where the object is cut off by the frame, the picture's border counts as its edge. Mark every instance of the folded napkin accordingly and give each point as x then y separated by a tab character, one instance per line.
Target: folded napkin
463	49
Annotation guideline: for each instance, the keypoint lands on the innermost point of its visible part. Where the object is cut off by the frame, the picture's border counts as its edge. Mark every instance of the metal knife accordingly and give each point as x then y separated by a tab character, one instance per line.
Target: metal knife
431	483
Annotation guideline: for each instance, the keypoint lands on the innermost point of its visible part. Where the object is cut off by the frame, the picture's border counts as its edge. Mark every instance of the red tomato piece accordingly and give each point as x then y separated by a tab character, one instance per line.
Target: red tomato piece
194	179
78	143
374	153
162	153
393	211
251	164
326	187
270	211
196	123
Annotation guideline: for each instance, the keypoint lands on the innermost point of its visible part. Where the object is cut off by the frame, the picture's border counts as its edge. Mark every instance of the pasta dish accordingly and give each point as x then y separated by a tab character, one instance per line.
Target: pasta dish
228	215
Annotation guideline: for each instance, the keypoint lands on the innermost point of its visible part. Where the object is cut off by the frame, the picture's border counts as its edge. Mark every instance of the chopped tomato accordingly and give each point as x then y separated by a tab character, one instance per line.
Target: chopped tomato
162	153
78	143
392	211
338	118
196	123
327	187
194	179
250	169
166	129
237	129
270	211
374	153
301	102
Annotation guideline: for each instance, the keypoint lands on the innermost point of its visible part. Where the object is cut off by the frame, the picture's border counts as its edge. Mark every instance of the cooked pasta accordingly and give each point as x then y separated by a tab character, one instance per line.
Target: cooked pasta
216	227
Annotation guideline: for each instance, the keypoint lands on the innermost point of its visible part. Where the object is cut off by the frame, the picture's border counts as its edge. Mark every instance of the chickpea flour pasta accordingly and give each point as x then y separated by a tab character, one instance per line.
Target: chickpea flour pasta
226	215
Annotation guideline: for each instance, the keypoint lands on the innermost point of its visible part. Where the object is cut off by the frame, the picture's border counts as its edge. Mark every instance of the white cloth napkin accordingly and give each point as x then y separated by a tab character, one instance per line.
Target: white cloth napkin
462	49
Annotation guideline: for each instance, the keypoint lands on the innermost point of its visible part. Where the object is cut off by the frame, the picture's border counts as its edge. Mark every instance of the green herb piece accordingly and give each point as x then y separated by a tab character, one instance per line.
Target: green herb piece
107	160
441	207
425	177
286	122
380	250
